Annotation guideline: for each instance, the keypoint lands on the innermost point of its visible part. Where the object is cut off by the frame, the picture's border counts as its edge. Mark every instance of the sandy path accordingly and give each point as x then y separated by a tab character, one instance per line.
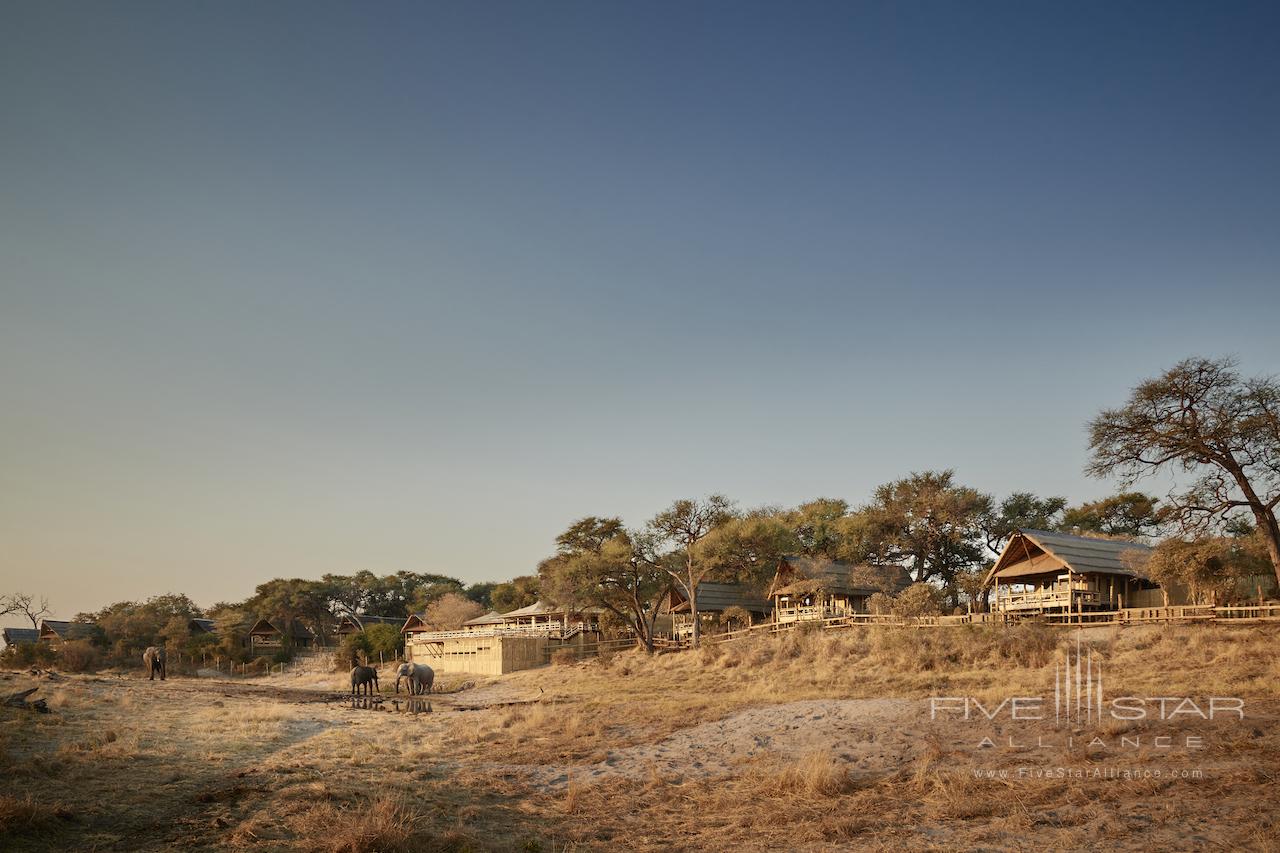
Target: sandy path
872	735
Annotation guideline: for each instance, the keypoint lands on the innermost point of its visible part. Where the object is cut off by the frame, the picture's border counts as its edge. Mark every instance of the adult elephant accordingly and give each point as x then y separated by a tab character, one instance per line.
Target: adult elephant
364	679
153	660
420	677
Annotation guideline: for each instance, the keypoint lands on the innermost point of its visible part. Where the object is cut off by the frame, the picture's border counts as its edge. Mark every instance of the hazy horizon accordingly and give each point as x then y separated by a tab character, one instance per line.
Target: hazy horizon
296	289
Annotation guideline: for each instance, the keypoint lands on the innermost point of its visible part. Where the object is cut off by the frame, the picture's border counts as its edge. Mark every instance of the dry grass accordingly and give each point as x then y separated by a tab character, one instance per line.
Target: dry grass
26	814
385	824
635	698
219	768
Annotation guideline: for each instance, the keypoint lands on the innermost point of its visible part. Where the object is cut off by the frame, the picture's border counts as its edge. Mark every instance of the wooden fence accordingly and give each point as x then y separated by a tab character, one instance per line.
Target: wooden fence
1234	614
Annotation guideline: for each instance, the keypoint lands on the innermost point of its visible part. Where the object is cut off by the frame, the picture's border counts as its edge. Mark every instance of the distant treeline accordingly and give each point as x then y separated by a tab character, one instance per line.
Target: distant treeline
1201	419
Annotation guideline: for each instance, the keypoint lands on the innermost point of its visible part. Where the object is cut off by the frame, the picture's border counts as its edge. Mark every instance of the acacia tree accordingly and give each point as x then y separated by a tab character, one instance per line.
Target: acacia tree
598	563
747	547
1203	419
927	522
684	524
1132	514
816	526
1020	511
21	602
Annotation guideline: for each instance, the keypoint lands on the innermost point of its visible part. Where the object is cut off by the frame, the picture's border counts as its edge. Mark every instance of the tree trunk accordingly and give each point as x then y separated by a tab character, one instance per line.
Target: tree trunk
1271	535
693	605
1266	517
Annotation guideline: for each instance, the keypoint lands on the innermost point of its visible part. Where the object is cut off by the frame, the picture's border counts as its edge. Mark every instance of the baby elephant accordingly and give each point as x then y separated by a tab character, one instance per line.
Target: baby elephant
153	660
420	677
364	679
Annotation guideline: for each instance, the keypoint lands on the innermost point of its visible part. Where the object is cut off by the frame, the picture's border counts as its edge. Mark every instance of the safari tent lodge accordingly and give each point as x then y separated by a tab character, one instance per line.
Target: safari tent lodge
820	588
55	633
267	635
355	623
13	636
1040	572
714	599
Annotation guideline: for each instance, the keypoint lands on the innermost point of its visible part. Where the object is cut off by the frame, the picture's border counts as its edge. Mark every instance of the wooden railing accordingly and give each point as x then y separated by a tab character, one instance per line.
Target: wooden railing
1043	598
796	614
554	629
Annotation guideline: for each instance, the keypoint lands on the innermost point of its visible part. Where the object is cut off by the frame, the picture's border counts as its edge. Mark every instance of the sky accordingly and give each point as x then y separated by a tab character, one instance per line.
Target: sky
297	288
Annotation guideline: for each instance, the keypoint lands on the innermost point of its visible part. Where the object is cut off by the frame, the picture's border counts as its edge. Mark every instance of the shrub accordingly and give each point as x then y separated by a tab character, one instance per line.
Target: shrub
880	604
563	657
384	639
735	618
78	656
919	599
354	647
26	654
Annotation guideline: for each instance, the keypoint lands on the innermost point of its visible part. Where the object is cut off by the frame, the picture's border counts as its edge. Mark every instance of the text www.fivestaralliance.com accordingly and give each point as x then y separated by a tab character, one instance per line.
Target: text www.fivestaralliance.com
1100	773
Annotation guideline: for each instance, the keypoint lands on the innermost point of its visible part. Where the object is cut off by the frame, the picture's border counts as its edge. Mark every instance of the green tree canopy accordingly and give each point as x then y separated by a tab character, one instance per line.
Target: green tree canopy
926	522
598	564
1021	511
515	593
1129	514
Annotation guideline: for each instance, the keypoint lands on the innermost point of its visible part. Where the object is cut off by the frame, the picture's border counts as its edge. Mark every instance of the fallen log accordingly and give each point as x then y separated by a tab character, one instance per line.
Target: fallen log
19	700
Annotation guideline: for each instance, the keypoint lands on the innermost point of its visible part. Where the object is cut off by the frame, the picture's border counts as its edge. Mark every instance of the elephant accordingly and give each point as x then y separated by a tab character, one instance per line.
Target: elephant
364	679
420	678
153	660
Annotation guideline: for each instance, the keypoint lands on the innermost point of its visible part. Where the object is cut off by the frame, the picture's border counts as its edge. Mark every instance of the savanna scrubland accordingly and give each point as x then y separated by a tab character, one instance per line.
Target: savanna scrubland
808	740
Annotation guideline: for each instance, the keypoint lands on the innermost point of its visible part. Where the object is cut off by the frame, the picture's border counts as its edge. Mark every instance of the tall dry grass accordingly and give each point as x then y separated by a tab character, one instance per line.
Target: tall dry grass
385	825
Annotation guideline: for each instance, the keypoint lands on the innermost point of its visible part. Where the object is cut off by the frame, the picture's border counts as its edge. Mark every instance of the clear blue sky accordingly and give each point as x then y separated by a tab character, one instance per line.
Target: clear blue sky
291	288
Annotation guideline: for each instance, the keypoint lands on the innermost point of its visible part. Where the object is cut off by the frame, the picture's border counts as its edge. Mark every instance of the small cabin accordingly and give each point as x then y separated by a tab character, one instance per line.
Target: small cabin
55	633
821	588
1042	572
270	635
713	600
13	636
199	627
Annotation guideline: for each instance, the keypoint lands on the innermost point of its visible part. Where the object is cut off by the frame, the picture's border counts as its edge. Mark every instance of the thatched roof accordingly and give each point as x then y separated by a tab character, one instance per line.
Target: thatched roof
542	608
798	575
50	628
13	636
718	597
493	617
1038	552
205	625
353	622
267	627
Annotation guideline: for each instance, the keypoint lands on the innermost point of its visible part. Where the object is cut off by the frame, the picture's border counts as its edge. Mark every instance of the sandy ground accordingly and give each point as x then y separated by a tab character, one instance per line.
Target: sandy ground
870	735
521	761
